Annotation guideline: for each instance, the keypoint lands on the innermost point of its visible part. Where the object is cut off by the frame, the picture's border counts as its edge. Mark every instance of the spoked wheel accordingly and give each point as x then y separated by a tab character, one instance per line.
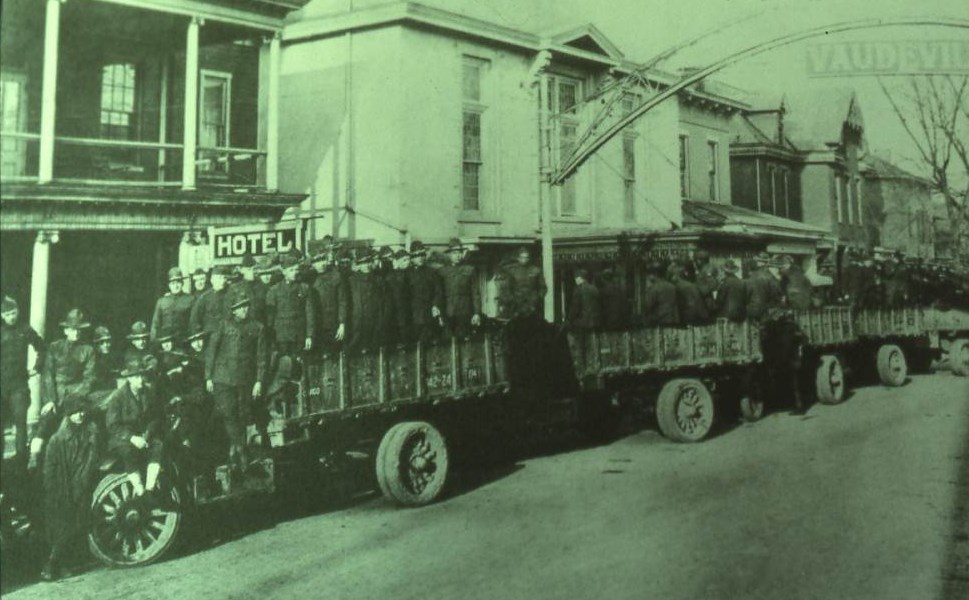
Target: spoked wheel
892	367
752	407
128	531
959	356
685	410
412	463
830	380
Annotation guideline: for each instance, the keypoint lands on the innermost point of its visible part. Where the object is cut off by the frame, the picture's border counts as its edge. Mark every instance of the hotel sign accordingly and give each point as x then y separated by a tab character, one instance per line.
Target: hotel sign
230	244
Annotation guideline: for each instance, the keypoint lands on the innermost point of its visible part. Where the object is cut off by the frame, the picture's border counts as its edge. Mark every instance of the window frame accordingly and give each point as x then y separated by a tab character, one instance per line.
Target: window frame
571	119
108	130
15	152
713	170
479	107
683	153
226	77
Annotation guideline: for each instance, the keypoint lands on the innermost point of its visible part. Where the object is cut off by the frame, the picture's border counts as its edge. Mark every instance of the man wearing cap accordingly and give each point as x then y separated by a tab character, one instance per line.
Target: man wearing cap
462	298
731	295
235	369
200	283
364	304
397	300
690	304
331	303
659	299
16	337
705	279
796	285
172	311
135	420
763	290
584	307
107	365
210	309
426	295
255	289
289	311
70	472
137	341
523	287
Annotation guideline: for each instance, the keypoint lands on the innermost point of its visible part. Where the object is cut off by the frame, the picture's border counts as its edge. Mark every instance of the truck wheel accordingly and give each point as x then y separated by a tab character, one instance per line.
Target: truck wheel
128	531
829	382
892	367
412	463
959	356
752	407
685	410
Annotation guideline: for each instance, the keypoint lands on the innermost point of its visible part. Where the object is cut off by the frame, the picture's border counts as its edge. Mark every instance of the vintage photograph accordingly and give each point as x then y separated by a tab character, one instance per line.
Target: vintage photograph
484	299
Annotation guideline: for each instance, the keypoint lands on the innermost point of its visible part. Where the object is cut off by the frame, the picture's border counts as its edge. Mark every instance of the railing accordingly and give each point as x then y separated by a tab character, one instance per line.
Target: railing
230	166
106	161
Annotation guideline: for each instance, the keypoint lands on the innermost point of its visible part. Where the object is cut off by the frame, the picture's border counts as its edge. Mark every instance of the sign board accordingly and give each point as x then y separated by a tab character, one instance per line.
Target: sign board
230	244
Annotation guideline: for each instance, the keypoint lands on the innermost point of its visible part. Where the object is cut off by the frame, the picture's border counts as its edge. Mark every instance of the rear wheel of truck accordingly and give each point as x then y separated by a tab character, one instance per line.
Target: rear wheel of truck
892	367
959	356
829	381
412	463
685	410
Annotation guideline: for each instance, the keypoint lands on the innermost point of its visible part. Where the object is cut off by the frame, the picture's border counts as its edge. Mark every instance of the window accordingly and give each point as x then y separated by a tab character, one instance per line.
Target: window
685	166
856	199
13	152
772	173
563	98
214	121
787	193
117	101
629	176
841	202
473	114
714	170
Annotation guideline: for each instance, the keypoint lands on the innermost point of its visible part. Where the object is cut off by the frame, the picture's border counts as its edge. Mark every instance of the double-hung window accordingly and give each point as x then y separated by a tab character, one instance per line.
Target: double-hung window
684	166
214	122
474	74
118	101
713	170
563	98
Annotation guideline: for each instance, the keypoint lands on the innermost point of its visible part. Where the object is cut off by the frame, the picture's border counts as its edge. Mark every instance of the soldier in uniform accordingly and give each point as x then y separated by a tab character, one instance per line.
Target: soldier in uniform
332	303
289	311
426	295
200	282
16	337
69	368
210	309
615	307
796	286
731	295
462	299
364	304
397	296
172	311
896	283
705	279
137	341
763	290
523	287
690	303
584	306
107	364
235	370
135	421
659	299
256	290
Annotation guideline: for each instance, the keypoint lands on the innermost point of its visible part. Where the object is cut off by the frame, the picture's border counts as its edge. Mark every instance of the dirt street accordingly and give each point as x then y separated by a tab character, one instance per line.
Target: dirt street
848	502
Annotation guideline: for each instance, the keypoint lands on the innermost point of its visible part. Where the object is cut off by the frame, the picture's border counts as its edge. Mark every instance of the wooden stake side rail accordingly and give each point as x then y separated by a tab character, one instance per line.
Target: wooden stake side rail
355	383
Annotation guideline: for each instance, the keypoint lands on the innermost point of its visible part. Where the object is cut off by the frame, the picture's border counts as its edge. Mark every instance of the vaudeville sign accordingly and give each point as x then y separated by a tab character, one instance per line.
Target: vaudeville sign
230	244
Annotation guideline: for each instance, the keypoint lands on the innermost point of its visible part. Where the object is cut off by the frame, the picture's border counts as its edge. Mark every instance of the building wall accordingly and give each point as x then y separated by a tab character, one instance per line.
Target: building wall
817	193
898	216
702	127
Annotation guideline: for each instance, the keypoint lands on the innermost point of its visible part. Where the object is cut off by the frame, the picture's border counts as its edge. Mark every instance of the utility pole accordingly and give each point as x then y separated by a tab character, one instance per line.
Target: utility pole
545	195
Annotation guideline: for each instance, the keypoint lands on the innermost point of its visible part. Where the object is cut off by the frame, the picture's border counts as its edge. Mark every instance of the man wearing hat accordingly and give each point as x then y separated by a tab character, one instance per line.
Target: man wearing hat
210	308
364	304
331	302
235	370
289	311
69	368
135	419
255	289
584	312
462	298
705	279
690	304
523	287
16	337
107	366
200	283
797	287
615	304
397	300
731	294
426	294
172	311
659	299
70	473
137	341
763	291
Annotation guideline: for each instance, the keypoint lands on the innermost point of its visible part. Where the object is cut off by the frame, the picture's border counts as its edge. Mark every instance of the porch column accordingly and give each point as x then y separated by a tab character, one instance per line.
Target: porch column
38	305
546	195
190	137
48	106
272	116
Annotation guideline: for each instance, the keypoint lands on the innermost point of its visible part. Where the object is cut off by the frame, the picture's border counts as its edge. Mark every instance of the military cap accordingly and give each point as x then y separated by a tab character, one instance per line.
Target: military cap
75	320
165	335
417	248
248	261
780	261
198	333
730	266
198	271
224	270
237	298
175	274
138	330
583	273
401	253
762	258
288	260
135	365
74	403
101	333
8	305
386	252
455	245
365	257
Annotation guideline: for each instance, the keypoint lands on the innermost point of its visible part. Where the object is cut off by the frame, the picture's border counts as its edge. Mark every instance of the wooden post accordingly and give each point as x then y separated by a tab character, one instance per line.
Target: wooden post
48	106
190	137
545	196
272	117
39	276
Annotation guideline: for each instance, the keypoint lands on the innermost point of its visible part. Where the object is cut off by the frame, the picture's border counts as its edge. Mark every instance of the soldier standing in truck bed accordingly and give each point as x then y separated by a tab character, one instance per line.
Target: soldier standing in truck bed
763	290
289	311
690	304
797	288
331	303
397	298
173	310
210	309
427	295
615	306
364	304
462	300
659	299
731	295
705	279
255	289
523	287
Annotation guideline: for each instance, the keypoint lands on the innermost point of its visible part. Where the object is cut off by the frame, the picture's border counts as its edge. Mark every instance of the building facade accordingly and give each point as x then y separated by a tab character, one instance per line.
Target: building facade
897	209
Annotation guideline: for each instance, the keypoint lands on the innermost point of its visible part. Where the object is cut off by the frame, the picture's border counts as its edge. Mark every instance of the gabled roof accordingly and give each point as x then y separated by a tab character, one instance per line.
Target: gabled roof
588	39
876	167
816	118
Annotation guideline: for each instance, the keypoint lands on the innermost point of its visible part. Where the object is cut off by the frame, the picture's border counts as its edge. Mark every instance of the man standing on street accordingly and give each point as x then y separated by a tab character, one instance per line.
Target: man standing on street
462	300
16	337
172	311
235	369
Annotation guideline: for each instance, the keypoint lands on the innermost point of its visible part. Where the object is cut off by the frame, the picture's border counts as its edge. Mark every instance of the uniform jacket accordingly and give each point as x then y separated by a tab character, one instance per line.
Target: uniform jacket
332	303
209	311
14	341
69	367
690	304
732	299
238	353
659	304
172	312
706	283
523	290
289	312
797	289
461	296
364	308
615	308
70	469
584	307
397	296
763	293
425	291
129	415
107	369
